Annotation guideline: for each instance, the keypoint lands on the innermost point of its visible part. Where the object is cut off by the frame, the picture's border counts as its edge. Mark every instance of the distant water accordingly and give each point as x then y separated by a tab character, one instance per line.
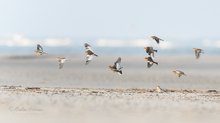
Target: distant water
100	50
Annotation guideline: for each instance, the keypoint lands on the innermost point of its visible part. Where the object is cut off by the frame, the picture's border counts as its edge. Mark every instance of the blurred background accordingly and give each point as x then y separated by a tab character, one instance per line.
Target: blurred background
114	28
68	24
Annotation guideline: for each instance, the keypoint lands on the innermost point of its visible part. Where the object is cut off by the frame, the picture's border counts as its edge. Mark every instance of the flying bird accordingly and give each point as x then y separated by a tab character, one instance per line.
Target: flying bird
179	73
117	66
40	50
150	61
89	53
150	51
61	61
157	39
198	51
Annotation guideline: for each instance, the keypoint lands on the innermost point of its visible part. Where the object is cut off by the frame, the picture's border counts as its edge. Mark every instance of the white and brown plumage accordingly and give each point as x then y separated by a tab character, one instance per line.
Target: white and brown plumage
179	73
61	61
197	51
157	39
159	89
89	53
40	50
150	61
150	51
117	66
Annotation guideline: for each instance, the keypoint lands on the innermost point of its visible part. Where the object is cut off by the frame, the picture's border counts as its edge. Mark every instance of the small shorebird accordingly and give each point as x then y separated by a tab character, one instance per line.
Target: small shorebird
179	73
117	66
198	51
157	39
61	61
150	50
39	50
150	61
89	53
159	89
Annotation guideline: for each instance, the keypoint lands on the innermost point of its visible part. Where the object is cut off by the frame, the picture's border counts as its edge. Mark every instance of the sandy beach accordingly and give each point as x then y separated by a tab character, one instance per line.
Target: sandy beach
113	61
55	105
35	90
44	72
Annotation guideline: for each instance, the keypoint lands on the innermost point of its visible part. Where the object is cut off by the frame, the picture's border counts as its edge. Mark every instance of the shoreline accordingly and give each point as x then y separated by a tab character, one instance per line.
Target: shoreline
97	90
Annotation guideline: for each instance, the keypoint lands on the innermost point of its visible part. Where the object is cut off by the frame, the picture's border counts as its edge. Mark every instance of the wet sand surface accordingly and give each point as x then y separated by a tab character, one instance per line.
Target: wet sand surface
44	72
33	89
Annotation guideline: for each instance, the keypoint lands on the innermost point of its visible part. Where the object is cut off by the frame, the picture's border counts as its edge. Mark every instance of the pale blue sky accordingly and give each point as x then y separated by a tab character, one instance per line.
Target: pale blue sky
111	18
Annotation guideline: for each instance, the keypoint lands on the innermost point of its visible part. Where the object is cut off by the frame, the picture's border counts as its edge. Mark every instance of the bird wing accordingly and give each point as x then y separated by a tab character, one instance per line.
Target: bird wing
89	52
117	64
157	40
197	54
149	64
147	49
182	73
88	58
150	59
120	72
39	47
151	51
88	47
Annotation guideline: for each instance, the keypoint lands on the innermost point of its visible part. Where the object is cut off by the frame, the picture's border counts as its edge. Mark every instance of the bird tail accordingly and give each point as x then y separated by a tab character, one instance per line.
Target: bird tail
155	50
156	63
96	55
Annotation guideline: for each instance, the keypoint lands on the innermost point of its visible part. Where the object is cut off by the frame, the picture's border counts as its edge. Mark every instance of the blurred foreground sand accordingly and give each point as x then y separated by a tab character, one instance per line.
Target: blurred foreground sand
69	105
